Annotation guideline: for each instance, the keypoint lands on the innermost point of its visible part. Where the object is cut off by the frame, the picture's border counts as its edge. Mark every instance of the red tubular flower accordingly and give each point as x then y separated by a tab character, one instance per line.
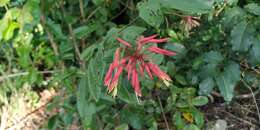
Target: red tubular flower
114	82
135	64
156	40
160	74
135	83
161	51
123	42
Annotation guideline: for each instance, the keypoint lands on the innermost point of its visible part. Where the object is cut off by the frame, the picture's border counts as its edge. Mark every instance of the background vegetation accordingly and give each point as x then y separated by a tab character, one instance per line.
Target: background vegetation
66	46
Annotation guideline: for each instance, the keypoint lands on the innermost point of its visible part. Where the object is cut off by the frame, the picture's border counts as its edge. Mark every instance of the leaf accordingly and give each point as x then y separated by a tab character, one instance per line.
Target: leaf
255	53
4	2
253	8
227	80
9	32
213	57
194	6
180	79
198	117
150	12
94	82
84	31
188	117
122	127
131	33
191	127
88	52
178	48
56	30
178	121
206	86
242	36
233	16
199	101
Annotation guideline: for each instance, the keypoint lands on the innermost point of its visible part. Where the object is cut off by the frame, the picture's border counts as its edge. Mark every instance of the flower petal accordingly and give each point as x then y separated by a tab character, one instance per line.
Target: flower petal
161	51
145	39
123	42
115	79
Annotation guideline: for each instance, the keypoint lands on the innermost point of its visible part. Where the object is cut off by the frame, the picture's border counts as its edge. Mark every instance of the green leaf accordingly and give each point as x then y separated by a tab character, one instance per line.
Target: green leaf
122	127
178	48
255	53
88	52
253	8
131	33
4	2
233	16
242	36
191	127
213	57
227	80
178	121
206	86
94	82
193	6
150	12
180	79
199	101
84	31
9	32
198	117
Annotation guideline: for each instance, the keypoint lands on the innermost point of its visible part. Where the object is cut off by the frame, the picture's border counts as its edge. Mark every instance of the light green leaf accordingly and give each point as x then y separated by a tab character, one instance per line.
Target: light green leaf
9	32
3	2
150	12
193	6
242	36
199	101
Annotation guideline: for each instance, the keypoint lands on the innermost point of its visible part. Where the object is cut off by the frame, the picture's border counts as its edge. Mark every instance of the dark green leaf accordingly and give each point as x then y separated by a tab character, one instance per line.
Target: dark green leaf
150	12
194	6
242	36
206	86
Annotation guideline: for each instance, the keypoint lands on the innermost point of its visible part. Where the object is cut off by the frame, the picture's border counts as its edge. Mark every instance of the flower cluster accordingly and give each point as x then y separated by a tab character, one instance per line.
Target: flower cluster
136	63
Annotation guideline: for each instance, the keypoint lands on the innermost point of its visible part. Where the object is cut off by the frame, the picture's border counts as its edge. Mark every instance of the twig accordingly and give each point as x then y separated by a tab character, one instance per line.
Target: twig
238	118
43	21
81	7
122	11
253	96
74	42
128	25
92	13
29	114
164	117
2	78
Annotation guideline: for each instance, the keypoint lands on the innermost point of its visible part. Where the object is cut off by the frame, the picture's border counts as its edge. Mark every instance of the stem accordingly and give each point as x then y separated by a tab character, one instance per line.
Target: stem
2	78
253	96
164	117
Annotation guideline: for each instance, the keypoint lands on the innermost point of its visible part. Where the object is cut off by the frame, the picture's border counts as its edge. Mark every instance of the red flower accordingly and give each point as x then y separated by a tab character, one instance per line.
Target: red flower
136	63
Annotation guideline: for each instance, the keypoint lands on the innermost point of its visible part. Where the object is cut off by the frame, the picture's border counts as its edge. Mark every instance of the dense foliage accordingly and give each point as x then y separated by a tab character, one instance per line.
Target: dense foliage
68	45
